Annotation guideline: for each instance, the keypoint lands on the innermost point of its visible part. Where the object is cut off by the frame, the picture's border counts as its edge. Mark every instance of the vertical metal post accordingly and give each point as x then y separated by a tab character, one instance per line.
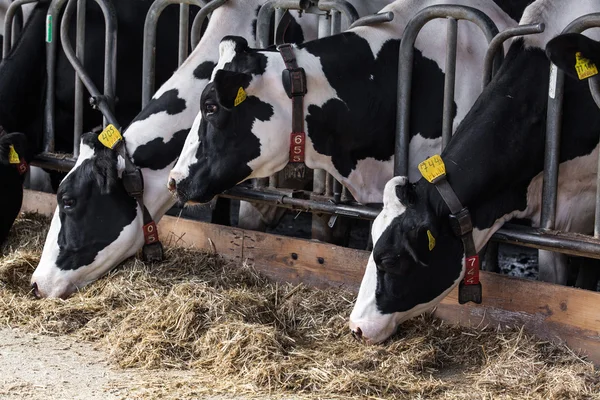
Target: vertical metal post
201	17
80	52
336	22
594	83
450	81
52	23
13	11
110	53
184	29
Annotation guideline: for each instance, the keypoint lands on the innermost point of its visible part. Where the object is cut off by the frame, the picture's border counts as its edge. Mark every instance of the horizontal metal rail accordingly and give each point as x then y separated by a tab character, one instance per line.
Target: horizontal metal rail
54	161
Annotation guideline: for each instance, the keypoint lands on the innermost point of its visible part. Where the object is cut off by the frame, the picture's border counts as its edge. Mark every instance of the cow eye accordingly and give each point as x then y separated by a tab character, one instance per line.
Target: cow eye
210	109
68	203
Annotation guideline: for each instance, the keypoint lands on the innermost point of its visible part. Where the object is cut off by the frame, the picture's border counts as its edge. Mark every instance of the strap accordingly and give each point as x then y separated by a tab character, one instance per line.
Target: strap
434	170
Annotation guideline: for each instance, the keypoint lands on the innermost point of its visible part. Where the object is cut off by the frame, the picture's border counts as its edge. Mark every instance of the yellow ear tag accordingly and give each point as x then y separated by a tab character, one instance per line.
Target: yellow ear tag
432	168
431	240
110	136
585	68
241	96
13	156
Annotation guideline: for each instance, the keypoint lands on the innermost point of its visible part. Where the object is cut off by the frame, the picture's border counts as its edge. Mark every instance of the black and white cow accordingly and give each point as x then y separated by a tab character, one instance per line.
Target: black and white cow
494	164
349	109
80	246
22	84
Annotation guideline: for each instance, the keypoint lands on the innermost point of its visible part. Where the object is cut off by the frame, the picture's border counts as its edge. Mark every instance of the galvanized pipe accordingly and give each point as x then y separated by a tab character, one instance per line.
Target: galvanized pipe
110	54
80	52
405	66
553	127
336	22
200	17
17	27
341	6
102	101
263	20
149	52
449	81
184	33
56	162
12	10
373	19
498	41
51	56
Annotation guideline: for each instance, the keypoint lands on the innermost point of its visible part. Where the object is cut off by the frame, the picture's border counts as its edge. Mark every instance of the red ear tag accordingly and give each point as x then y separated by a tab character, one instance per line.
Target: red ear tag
472	272
297	146
150	233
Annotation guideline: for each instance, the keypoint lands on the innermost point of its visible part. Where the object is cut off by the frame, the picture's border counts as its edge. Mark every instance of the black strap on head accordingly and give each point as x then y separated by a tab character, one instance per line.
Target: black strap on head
133	181
294	83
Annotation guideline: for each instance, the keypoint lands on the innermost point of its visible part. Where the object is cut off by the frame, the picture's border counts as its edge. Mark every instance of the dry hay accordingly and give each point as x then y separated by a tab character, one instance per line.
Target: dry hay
239	333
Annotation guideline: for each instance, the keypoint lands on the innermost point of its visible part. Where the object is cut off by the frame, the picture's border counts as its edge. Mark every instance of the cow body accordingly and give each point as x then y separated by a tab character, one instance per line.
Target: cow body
349	108
154	140
494	164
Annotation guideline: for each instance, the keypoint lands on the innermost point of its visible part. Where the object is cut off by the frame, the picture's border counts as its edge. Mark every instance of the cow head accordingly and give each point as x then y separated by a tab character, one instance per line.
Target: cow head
565	50
95	225
241	130
414	264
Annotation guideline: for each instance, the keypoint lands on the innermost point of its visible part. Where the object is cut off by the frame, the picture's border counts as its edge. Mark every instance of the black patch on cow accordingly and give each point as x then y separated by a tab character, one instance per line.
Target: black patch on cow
361	123
102	209
156	154
407	284
168	102
227	145
246	60
204	70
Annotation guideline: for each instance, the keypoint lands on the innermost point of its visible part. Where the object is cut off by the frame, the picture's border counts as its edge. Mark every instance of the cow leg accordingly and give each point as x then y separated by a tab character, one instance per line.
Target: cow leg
553	267
589	273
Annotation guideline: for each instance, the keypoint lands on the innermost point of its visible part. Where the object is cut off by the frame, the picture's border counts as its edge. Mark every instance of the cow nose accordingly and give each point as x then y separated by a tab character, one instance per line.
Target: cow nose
357	333
172	185
35	291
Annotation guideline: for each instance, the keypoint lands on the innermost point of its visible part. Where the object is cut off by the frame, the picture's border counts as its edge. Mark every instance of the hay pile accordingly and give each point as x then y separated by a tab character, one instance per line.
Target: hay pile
240	333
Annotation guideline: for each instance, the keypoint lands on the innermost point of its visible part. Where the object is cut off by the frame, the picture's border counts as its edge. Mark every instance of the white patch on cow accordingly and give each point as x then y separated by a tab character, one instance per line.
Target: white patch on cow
85	153
369	176
557	15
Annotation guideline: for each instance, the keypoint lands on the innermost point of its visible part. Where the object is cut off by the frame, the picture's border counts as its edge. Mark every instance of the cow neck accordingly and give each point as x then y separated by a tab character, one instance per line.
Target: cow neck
294	83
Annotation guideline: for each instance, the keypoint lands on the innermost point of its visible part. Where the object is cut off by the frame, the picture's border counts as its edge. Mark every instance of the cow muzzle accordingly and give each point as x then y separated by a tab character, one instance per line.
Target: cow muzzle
371	332
42	287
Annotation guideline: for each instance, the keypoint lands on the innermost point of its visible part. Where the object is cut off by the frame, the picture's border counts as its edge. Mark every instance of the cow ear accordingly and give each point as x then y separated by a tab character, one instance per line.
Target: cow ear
564	51
406	194
106	171
228	85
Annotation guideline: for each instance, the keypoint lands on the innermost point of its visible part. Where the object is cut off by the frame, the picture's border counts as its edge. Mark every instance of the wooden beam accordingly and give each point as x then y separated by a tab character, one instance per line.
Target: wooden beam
552	312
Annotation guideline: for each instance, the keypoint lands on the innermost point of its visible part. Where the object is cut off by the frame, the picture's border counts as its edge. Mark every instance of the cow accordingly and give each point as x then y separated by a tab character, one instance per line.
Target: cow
350	105
22	84
494	164
154	140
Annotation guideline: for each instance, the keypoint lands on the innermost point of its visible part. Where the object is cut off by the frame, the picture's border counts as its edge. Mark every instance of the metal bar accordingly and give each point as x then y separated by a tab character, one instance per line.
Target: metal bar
17	26
498	42
149	52
102	102
405	66
373	19
283	200
449	81
11	12
336	22
57	162
200	17
80	52
263	20
278	14
52	23
184	32
341	6
561	242
110	54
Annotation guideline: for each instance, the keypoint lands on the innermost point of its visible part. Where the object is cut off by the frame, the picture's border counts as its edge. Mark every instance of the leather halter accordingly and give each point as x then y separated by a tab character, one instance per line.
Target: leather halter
462	226
294	83
22	166
133	182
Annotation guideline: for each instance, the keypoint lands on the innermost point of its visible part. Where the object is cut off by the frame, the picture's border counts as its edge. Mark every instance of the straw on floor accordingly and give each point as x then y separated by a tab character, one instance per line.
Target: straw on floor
241	333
